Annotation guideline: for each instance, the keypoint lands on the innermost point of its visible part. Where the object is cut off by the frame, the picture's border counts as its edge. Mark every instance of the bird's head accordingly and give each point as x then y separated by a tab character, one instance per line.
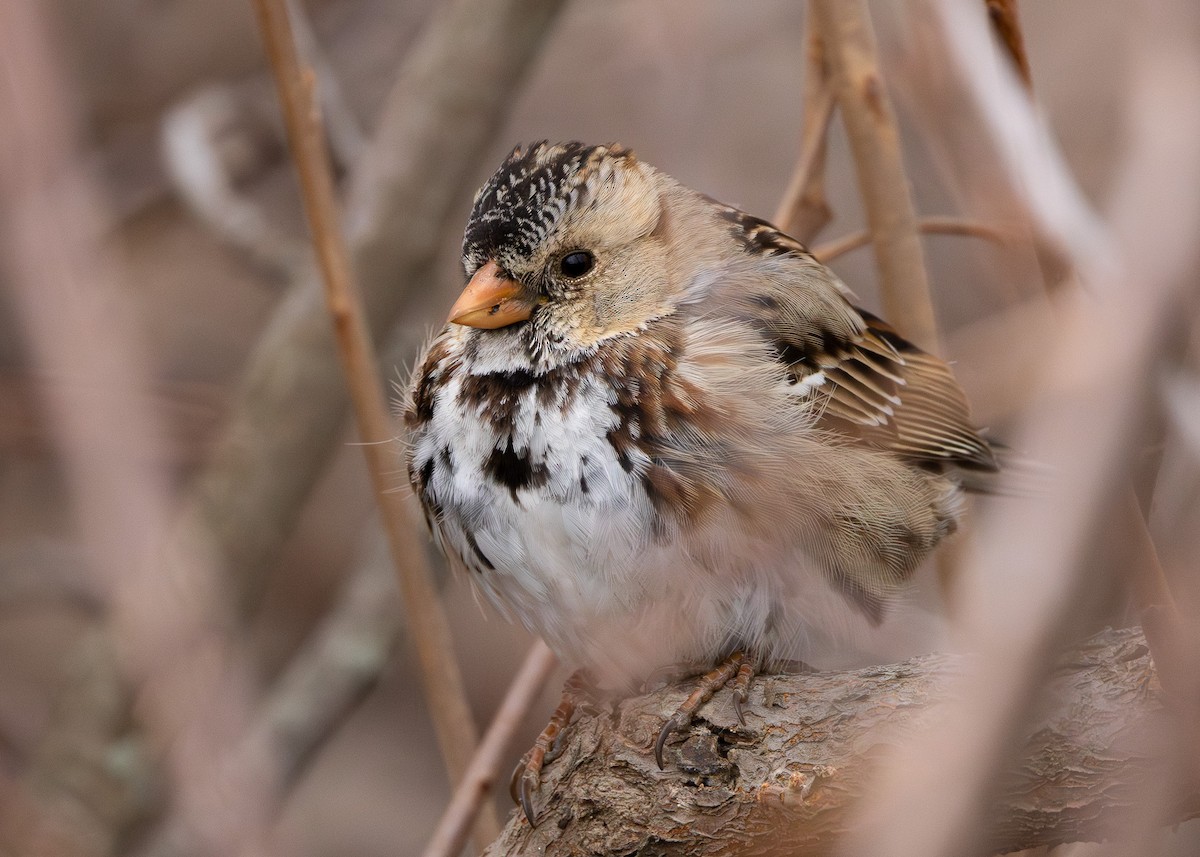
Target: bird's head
567	240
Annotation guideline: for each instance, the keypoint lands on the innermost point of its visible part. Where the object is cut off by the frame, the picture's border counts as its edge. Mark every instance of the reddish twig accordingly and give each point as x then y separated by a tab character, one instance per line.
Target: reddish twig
830	250
875	142
804	211
430	628
450	835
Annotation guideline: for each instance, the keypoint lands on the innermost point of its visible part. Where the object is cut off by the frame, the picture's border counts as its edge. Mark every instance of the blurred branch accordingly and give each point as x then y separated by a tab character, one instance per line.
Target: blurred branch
50	573
1007	25
786	781
164	634
189	411
845	30
335	668
1026	584
452	92
208	146
427	620
83	785
830	250
804	210
451	833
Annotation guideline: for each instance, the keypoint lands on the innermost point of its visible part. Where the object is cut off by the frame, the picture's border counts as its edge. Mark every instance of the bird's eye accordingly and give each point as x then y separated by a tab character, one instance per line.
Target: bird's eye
576	263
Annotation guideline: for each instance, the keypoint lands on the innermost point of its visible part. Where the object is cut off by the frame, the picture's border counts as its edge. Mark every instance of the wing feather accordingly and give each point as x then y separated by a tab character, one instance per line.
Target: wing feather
869	383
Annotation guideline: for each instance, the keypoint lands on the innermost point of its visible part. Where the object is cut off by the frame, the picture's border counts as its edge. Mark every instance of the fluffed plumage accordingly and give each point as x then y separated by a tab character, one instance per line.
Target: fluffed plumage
660	431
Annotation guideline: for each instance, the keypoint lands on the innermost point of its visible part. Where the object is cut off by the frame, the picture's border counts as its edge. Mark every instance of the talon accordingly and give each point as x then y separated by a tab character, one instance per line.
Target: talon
514	781
741	689
526	780
670	726
529	785
735	666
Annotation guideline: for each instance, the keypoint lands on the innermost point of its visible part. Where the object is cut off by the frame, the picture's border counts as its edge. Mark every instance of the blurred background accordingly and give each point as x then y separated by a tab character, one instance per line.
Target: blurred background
181	139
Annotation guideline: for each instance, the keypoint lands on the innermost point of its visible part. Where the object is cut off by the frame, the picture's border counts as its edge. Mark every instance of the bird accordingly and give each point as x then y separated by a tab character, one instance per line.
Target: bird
657	431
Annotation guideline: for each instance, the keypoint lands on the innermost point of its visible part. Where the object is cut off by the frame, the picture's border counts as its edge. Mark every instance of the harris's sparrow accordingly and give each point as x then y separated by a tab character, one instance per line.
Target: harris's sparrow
656	430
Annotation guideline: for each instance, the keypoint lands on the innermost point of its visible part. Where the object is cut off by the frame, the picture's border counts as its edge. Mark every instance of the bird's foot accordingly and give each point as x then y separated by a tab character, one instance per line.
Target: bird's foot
527	777
735	671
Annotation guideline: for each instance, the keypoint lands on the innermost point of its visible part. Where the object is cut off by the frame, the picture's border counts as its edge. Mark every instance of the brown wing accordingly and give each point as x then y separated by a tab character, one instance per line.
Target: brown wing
872	384
884	391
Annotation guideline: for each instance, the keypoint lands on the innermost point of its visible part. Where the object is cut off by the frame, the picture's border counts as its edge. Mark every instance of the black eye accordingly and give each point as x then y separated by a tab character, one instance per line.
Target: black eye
576	263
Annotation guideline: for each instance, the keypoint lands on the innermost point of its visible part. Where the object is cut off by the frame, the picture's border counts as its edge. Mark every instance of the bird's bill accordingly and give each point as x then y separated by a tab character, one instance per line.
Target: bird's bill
491	300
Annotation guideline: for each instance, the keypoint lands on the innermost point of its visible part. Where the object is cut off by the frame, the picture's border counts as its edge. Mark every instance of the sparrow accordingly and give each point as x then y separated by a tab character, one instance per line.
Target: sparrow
657	431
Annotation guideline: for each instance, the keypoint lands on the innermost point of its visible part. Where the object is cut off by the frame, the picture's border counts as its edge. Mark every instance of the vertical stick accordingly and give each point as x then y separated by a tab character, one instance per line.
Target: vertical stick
1007	26
804	211
430	629
875	142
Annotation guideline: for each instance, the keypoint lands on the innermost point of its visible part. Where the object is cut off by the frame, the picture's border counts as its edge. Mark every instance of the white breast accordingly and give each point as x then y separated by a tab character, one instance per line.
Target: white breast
562	541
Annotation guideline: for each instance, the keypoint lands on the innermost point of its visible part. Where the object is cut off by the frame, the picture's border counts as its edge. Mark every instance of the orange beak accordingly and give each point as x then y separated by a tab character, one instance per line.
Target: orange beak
491	300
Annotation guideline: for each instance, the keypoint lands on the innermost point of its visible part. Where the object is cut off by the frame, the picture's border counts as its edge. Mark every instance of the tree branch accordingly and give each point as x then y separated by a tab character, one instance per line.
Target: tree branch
875	143
830	250
451	94
1007	25
786	781
804	210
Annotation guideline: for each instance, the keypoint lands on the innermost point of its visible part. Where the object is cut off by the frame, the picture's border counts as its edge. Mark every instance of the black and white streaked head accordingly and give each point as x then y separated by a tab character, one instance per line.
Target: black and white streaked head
565	246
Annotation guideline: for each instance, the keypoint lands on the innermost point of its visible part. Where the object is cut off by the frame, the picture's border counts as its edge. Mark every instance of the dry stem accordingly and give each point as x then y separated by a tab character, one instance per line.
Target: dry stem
804	211
875	142
477	783
830	250
426	617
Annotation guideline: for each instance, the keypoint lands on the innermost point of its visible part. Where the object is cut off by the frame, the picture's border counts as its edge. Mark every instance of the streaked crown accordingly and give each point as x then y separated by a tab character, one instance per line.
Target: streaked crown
531	194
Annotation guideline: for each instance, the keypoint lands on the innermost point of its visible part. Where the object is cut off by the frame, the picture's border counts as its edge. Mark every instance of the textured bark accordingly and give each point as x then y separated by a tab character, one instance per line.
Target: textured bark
786	782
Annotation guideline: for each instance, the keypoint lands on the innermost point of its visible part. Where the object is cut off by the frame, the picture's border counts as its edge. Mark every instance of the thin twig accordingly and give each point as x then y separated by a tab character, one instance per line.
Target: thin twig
451	93
830	250
450	835
426	617
1007	25
804	210
346	137
1028	579
875	142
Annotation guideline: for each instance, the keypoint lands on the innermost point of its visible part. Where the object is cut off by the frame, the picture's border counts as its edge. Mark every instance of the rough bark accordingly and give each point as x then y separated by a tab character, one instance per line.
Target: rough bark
787	780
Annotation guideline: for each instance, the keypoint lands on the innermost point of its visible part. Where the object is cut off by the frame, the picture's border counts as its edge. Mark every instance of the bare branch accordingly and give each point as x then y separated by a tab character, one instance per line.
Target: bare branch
1007	25
346	137
195	146
830	250
336	667
1026	584
804	211
167	633
449	837
786	782
442	679
875	142
453	90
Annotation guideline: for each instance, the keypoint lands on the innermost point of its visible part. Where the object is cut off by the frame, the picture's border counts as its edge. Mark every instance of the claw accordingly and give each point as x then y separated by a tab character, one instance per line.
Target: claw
529	785
741	690
514	781
526	780
671	726
734	668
